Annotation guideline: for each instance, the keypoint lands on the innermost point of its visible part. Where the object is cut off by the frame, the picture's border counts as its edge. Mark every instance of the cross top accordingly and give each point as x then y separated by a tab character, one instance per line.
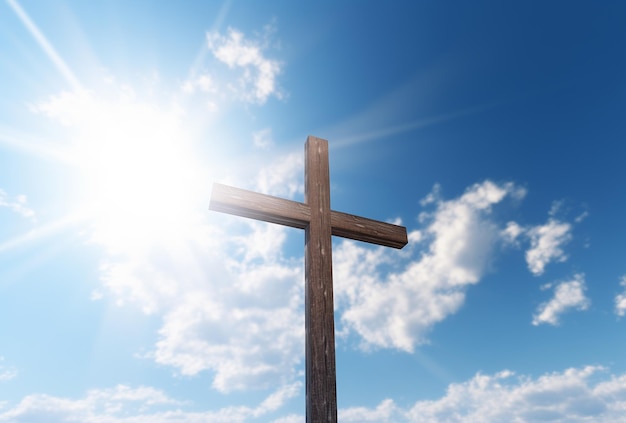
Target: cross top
319	223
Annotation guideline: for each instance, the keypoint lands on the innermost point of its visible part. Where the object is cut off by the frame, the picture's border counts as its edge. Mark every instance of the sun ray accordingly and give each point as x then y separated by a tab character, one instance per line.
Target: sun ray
388	131
31	145
41	232
45	45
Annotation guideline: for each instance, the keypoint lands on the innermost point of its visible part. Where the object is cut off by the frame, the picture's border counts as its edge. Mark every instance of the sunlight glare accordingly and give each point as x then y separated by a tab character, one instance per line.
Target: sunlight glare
141	178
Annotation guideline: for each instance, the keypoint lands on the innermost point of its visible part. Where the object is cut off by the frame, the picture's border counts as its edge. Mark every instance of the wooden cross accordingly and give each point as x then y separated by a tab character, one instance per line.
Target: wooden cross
319	223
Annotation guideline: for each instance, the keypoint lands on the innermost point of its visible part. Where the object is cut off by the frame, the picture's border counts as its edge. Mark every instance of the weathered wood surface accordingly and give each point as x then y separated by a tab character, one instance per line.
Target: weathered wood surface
321	389
241	202
253	205
367	230
319	223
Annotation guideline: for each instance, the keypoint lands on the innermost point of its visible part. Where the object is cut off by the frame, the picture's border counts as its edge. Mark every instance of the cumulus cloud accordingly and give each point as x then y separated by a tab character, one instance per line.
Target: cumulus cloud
546	243
569	295
123	404
251	335
237	68
398	309
18	204
232	305
576	395
620	300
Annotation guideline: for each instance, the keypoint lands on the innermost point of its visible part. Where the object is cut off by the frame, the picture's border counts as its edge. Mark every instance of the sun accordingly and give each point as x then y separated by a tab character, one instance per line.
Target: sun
140	178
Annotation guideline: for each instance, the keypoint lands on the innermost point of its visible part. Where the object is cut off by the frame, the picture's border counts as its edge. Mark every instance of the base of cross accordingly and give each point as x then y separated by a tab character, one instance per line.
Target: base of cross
319	223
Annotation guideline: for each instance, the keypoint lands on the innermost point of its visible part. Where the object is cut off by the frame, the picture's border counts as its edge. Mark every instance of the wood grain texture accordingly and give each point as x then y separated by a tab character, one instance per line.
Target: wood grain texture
253	205
367	230
321	389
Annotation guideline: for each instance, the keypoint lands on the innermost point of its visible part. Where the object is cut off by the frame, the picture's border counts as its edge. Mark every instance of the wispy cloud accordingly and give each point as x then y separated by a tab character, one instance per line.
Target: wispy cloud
18	204
263	138
6	372
620	300
568	295
258	80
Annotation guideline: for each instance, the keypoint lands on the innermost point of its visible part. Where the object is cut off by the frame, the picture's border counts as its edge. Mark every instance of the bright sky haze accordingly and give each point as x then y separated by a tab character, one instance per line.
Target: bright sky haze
494	132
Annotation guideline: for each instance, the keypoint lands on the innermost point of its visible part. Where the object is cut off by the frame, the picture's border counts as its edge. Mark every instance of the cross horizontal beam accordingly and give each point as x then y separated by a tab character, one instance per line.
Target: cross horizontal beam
263	207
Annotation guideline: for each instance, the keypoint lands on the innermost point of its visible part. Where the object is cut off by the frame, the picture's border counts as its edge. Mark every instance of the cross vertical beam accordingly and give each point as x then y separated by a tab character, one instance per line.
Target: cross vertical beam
321	388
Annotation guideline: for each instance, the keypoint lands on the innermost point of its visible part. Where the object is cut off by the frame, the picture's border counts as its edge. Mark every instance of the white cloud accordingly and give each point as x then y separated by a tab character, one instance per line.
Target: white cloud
97	405
573	396
398	310
292	418
204	83
277	399
6	372
555	208
567	296
546	241
512	232
237	69
18	204
581	217
386	411
230	306
620	300
263	138
251	334
258	79
545	244
283	177
124	404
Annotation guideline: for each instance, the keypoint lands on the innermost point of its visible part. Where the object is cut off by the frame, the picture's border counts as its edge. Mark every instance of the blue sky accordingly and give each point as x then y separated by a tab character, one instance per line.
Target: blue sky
493	132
